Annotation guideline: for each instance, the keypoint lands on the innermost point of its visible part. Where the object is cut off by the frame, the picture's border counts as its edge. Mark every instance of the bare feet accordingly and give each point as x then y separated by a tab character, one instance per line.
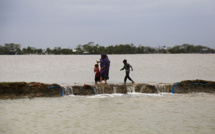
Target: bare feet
105	81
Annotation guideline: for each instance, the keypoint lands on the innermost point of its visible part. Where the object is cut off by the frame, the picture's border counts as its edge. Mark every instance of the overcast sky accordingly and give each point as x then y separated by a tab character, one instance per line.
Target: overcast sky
67	23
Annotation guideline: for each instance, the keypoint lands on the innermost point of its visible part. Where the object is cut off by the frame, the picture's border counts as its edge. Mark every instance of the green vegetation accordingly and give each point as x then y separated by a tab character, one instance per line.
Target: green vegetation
90	48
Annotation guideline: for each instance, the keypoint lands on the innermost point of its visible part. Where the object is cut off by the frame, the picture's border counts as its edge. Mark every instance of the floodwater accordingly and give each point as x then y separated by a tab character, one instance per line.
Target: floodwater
131	113
110	114
78	69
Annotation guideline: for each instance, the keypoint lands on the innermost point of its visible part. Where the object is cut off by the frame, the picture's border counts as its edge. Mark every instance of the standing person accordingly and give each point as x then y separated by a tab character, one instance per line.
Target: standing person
97	73
127	67
104	66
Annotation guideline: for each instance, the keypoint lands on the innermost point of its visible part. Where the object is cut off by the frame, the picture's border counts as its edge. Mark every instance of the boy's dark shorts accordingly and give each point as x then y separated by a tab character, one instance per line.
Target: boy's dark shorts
97	79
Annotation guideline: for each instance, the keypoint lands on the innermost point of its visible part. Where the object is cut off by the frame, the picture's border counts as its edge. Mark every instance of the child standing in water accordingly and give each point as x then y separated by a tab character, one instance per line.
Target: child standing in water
97	73
127	67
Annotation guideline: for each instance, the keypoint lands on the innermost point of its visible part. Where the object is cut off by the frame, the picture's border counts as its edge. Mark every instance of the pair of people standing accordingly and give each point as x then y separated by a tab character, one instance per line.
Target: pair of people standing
104	72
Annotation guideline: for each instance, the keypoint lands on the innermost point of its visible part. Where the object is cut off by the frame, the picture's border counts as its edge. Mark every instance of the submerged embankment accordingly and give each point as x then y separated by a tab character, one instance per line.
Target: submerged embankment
13	90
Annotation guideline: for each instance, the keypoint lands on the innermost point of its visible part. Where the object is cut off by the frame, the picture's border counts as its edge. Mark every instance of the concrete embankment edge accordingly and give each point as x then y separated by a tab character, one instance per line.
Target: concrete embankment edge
14	90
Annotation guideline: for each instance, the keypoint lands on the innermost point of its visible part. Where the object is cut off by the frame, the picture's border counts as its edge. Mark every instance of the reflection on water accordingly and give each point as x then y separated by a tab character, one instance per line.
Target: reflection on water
116	113
70	69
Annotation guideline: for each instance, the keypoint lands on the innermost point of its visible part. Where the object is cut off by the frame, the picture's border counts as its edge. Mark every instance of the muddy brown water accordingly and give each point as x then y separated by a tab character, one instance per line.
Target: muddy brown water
114	113
78	69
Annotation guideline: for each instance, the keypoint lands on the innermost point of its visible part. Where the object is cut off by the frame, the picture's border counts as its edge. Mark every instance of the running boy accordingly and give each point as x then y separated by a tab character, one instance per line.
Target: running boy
97	73
127	67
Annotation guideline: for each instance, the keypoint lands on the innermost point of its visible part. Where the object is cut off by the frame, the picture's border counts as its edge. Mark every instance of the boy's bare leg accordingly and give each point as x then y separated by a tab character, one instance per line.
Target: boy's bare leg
100	80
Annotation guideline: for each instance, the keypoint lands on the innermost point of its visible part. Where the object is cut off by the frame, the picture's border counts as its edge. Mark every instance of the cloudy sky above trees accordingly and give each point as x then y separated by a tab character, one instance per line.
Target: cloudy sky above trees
67	23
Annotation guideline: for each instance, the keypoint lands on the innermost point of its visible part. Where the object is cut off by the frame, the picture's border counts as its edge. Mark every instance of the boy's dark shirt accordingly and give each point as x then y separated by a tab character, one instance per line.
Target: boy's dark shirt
127	67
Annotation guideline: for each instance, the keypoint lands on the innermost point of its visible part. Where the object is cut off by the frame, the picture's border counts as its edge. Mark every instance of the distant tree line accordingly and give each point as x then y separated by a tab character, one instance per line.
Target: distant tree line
90	48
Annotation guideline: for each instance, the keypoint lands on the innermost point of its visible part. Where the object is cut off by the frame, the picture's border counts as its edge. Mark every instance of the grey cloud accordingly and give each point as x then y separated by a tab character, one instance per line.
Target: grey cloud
68	23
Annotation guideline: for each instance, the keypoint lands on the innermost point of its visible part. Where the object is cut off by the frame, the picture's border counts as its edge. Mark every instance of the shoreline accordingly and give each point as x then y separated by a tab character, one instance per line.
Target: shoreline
16	90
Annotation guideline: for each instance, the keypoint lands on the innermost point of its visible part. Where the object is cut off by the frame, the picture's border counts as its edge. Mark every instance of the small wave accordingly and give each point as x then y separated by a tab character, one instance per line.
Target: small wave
128	94
105	95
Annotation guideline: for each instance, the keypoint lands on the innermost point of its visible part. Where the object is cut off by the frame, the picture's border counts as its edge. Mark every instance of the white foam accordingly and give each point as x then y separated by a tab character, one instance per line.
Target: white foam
98	96
134	93
105	95
149	94
120	95
116	95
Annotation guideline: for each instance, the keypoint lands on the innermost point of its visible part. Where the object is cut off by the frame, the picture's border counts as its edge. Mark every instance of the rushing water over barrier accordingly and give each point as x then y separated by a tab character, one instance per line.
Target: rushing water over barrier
188	86
13	90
